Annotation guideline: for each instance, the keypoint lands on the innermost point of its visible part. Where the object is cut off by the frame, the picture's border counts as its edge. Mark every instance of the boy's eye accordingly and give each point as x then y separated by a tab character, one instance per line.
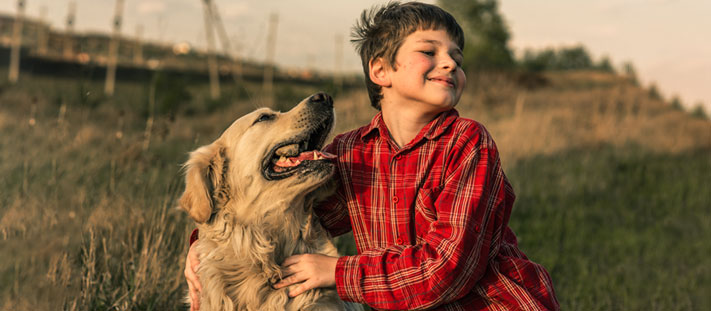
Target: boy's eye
428	53
458	59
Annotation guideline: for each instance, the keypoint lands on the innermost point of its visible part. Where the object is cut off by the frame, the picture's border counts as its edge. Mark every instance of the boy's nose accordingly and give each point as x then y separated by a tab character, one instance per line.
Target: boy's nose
448	62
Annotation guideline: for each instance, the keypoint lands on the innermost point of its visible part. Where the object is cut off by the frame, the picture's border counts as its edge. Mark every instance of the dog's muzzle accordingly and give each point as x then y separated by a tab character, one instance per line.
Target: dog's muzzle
302	153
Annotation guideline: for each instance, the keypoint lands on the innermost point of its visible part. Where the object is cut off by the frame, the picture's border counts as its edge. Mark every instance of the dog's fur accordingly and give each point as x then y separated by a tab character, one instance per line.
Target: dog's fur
250	221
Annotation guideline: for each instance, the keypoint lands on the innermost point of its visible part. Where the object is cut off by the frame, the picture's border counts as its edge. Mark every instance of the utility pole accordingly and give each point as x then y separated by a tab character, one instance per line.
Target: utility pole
42	32
14	72
337	74
138	46
268	85
113	50
225	40
68	52
211	58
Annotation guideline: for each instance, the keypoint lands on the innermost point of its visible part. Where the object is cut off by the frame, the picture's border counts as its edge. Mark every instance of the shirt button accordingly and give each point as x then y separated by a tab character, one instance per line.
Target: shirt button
398	241
395	199
477	228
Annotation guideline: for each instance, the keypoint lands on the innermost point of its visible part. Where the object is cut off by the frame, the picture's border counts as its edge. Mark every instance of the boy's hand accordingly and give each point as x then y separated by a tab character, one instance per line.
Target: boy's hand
194	286
311	270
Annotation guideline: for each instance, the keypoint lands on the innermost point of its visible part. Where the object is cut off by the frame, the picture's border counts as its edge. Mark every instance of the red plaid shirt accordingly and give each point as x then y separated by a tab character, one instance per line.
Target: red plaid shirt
430	221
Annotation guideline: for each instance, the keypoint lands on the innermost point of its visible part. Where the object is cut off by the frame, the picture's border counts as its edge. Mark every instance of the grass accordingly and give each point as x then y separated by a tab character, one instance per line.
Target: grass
618	228
612	189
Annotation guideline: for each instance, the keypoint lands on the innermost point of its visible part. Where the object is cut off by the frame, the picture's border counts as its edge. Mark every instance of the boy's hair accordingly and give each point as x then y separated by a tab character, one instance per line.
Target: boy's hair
381	31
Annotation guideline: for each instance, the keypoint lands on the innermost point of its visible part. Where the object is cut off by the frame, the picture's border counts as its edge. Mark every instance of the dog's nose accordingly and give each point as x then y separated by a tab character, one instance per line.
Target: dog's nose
322	98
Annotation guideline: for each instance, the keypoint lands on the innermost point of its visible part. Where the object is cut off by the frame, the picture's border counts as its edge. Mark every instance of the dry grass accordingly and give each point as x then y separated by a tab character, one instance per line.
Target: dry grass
87	217
576	109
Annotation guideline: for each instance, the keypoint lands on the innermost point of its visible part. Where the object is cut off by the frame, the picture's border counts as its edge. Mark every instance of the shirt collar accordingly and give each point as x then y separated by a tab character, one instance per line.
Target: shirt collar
431	131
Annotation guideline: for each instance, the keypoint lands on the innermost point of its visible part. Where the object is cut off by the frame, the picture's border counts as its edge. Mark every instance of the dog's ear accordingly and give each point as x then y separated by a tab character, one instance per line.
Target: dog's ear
203	175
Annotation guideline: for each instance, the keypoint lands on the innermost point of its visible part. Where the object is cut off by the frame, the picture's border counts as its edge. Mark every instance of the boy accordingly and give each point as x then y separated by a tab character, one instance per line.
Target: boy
422	189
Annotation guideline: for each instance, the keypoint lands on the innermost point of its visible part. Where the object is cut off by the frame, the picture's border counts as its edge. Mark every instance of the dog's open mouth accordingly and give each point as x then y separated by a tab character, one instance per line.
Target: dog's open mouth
300	153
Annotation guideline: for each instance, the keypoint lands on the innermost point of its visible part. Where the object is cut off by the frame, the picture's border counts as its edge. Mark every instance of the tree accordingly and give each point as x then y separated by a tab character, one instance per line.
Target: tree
565	58
538	61
676	103
573	58
653	92
699	111
486	33
630	72
605	65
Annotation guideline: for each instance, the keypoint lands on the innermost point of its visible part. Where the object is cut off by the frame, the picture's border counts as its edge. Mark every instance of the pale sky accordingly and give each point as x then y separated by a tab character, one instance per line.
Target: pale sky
668	41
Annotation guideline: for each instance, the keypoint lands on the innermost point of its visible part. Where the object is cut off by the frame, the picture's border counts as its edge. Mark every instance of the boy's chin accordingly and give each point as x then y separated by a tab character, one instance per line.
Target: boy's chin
446	101
435	109
426	107
442	106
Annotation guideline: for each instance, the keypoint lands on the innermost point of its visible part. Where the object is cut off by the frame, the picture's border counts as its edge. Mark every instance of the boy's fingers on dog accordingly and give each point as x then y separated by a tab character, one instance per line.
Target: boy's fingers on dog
291	260
195	306
194	297
292	279
191	276
290	270
301	288
193	258
197	284
192	289
192	279
194	265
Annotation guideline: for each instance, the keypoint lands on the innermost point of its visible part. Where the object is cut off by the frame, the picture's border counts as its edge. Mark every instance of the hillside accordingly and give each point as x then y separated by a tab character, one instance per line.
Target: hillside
87	217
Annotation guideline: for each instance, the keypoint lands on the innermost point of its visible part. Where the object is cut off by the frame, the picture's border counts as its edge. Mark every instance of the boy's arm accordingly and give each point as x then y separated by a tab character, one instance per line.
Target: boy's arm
332	212
454	253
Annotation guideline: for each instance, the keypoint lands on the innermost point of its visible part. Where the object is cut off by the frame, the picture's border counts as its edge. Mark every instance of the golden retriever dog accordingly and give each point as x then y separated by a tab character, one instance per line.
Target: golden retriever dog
251	193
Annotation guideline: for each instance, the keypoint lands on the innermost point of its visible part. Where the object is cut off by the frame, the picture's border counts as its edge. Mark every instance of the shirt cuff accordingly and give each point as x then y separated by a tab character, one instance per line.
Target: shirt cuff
348	279
194	236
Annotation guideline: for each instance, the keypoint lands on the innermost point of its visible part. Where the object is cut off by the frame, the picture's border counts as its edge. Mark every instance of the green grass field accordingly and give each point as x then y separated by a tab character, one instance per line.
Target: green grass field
618	228
87	200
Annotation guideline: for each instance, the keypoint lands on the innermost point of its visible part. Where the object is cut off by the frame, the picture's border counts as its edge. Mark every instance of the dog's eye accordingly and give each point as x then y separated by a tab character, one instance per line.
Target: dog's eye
264	117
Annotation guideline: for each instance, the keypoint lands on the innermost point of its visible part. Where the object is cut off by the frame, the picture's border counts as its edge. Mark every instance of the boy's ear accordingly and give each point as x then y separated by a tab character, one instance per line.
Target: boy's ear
379	72
203	175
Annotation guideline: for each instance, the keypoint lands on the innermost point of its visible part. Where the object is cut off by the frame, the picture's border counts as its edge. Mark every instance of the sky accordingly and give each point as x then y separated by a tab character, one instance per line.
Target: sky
668	41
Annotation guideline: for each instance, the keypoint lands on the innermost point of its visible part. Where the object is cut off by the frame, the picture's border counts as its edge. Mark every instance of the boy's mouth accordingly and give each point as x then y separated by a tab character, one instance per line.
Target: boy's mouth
444	80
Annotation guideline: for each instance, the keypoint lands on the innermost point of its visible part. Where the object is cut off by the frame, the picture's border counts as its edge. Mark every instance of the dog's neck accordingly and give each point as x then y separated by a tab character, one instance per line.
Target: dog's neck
281	233
249	254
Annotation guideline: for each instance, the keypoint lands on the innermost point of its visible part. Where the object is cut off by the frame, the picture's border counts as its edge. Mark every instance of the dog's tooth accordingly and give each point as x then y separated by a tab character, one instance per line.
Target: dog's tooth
297	162
315	155
283	159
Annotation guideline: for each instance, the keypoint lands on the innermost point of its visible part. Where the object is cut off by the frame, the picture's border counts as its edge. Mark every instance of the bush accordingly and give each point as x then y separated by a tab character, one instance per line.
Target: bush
486	34
699	112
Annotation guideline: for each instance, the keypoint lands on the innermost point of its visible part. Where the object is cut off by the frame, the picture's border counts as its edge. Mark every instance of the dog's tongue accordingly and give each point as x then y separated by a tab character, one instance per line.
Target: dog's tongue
304	156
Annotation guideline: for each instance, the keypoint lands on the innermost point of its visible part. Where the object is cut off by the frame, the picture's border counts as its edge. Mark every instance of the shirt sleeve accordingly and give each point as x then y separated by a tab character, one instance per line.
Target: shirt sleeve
453	255
332	212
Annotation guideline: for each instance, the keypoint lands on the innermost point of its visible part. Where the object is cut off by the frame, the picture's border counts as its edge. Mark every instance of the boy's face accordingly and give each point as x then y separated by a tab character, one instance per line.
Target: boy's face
428	76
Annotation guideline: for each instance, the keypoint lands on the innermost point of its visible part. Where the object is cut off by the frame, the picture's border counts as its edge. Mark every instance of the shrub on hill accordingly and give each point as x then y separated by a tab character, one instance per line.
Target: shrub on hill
564	58
486	34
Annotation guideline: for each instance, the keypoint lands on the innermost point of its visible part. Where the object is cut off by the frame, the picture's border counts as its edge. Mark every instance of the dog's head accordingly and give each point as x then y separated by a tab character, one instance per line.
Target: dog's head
263	158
